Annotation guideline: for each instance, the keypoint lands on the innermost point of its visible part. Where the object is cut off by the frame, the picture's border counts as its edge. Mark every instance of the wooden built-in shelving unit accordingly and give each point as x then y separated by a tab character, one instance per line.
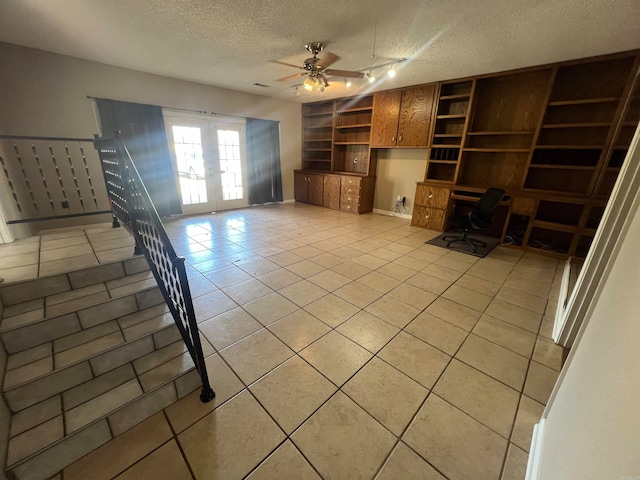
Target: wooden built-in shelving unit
554	137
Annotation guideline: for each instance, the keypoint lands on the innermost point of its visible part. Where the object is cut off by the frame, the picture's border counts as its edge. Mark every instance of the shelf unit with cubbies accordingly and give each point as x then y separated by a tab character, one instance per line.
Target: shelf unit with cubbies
317	136
502	129
578	124
554	137
351	135
450	127
620	145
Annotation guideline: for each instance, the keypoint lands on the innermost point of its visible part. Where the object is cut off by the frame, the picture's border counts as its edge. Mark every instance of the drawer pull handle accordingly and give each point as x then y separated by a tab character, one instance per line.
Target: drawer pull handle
431	195
400	137
426	216
393	139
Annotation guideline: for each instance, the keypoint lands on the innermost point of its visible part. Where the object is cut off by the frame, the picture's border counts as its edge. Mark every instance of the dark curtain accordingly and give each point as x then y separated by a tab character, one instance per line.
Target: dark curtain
263	161
143	132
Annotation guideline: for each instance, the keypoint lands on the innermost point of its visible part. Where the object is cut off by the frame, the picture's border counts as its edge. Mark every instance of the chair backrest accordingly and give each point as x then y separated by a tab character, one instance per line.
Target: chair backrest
481	217
489	201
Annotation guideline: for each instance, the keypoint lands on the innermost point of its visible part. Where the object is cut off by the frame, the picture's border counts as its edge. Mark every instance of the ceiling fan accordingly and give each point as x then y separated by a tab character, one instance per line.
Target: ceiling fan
316	69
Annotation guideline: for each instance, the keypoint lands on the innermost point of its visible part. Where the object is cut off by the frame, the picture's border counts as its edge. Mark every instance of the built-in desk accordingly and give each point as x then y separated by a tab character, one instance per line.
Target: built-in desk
555	225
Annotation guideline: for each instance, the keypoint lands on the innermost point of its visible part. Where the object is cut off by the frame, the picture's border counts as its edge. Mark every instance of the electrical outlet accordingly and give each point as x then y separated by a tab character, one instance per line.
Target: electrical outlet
398	198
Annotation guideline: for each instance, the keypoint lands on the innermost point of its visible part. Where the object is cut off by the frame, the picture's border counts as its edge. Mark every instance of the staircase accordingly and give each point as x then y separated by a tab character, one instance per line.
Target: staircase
91	353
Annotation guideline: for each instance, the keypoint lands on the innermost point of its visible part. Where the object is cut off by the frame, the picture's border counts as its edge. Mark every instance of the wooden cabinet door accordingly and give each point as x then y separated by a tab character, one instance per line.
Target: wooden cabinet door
316	189
300	187
416	113
331	194
384	127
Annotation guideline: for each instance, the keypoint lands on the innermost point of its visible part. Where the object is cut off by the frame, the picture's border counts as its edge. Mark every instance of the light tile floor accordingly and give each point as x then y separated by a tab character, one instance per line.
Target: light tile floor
348	348
63	250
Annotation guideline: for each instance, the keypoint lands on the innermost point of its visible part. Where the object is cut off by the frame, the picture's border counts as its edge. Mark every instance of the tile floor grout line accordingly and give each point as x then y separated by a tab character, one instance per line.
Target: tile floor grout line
346	260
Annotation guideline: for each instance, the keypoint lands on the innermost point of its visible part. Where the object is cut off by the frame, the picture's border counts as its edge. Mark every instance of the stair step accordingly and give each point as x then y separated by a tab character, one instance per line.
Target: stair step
91	354
56	406
53	330
52	434
96	345
27	290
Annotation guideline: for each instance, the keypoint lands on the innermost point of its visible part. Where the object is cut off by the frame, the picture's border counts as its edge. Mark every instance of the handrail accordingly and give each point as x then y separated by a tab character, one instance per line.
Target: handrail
133	207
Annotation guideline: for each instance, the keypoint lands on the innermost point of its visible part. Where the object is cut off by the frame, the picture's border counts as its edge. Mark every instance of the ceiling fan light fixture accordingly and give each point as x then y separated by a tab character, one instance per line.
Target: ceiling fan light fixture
370	77
308	84
391	72
347	83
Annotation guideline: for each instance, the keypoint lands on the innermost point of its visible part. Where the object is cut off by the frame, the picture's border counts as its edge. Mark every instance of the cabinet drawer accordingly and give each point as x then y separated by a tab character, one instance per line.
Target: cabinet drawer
350	200
427	217
429	196
351	185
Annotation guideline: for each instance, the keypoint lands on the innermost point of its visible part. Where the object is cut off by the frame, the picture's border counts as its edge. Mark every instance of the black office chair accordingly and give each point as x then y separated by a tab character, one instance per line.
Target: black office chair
480	218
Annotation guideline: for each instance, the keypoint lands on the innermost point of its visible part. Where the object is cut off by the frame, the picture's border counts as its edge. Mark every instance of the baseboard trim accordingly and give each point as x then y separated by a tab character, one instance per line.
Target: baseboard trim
533	464
291	200
391	214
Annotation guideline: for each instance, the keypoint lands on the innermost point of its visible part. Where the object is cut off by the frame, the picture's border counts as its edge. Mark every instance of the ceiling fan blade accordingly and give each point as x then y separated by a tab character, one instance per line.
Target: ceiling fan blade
343	73
291	77
324	79
286	64
329	59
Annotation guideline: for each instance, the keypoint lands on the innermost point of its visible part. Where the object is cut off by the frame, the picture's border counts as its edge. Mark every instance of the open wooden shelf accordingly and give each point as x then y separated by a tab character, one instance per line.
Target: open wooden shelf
318	149
356	109
555	226
569	147
561	167
519	132
504	150
458	96
582	101
356	125
458	115
351	143
577	125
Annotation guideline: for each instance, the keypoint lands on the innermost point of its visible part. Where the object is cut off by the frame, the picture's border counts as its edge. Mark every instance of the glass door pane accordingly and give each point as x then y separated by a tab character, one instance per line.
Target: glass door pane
230	166
187	143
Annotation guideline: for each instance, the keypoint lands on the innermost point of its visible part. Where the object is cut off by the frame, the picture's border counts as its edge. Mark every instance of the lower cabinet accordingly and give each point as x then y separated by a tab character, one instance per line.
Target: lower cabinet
309	188
427	217
349	193
331	196
430	208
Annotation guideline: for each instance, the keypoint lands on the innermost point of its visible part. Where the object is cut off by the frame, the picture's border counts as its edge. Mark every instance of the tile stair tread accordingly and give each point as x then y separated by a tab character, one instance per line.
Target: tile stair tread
45	318
91	355
126	272
120	408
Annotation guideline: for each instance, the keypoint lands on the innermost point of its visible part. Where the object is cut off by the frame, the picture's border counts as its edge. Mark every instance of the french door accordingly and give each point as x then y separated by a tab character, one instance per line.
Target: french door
210	161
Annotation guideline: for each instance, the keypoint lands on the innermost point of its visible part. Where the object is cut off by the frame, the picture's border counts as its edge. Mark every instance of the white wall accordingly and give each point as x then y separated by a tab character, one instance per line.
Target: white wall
592	427
45	94
398	171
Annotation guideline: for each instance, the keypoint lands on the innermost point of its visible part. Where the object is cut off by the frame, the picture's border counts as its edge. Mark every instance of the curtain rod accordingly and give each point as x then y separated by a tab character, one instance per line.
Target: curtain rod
202	112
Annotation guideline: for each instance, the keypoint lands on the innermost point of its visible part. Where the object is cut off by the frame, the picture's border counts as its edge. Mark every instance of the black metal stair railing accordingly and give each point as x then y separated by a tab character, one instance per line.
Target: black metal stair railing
133	207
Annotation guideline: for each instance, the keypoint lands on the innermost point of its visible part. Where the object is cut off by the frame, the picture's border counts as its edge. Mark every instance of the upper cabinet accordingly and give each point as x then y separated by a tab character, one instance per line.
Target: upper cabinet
386	111
402	118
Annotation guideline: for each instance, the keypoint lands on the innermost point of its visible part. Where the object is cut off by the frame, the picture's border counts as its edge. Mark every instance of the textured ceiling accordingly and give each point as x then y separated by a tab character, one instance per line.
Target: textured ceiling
228	43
